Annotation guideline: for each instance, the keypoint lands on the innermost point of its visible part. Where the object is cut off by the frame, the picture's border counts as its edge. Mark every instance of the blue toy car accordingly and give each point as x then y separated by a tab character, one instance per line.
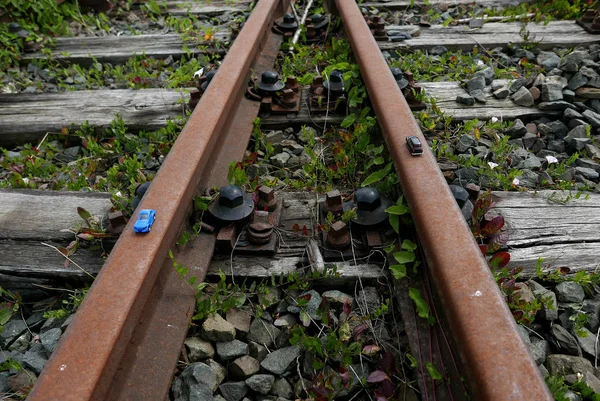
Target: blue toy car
144	221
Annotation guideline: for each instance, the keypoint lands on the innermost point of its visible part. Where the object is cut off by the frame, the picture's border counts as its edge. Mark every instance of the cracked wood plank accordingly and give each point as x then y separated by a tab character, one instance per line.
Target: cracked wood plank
26	118
445	96
113	49
403	4
30	218
552	225
491	35
206	9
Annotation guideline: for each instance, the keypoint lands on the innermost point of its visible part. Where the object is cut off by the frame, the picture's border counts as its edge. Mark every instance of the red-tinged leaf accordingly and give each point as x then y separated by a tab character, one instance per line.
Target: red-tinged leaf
306	297
84	214
63	250
499	260
494	226
345	377
388	363
296	228
85	237
305	231
347	308
483	248
321	393
377	377
358	330
499	240
386	389
379	397
66	264
564	270
371	349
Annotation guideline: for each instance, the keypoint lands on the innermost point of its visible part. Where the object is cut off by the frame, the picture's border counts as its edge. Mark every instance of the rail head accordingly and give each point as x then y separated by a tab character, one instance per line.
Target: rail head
498	363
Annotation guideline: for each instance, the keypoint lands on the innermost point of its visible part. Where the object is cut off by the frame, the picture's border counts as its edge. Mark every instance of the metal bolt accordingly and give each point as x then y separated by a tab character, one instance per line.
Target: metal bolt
338	236
269	77
292	83
266	199
231	196
288	98
333	202
367	199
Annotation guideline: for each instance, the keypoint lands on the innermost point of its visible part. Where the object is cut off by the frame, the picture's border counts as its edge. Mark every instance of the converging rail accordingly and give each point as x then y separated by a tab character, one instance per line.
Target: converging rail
113	349
479	318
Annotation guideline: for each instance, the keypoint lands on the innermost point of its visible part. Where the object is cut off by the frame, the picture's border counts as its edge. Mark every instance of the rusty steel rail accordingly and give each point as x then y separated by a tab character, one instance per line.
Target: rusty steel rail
111	326
496	357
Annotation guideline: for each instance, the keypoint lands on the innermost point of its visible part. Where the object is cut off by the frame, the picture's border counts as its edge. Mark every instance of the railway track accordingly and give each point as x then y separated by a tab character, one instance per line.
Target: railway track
135	318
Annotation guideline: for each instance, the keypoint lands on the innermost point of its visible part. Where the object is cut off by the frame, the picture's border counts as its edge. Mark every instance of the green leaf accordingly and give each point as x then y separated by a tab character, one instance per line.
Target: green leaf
422	307
377	175
408	245
5	315
84	214
399	271
395	222
306	79
397	210
404	257
433	372
413	361
348	121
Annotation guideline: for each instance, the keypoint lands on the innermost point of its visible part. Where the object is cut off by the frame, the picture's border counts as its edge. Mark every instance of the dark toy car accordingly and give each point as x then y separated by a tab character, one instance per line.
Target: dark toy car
144	221
414	145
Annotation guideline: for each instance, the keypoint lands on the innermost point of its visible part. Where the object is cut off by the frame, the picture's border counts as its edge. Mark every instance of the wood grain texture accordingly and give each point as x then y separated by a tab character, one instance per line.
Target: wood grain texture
40	215
118	49
445	95
205	9
402	4
27	118
491	35
28	220
540	225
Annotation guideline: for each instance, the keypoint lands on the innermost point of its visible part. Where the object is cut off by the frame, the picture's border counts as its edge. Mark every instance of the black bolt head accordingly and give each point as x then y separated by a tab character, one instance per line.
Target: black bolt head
141	189
397	73
231	196
210	75
317	18
269	77
289	18
367	199
336	77
14	27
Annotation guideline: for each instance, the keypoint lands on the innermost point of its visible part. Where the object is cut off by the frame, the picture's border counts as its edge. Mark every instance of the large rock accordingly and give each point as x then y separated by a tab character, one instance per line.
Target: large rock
34	361
313	304
280	361
569	291
233	391
592	118
11	331
517	130
551	92
549	309
548	60
587	342
523	97
592	309
257	351
244	367
336	297
539	349
240	320
263	332
198	349
282	388
560	365
49	339
261	383
220	371
21	381
565	341
197	380
217	329
231	350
